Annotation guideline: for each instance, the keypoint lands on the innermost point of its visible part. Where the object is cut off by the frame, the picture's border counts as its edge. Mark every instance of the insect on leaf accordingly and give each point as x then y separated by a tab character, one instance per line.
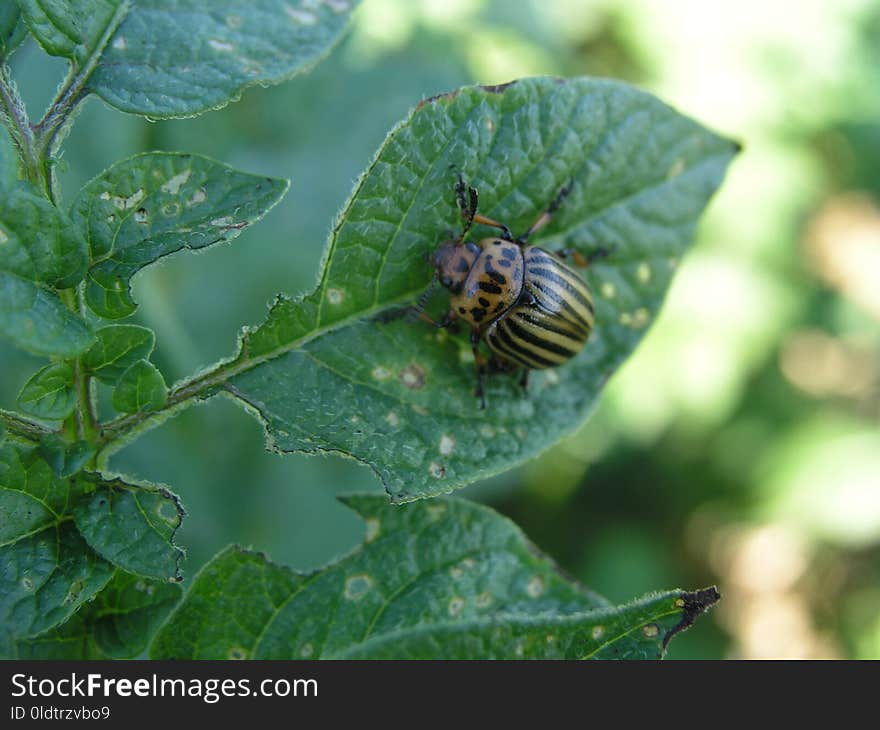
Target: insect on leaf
323	373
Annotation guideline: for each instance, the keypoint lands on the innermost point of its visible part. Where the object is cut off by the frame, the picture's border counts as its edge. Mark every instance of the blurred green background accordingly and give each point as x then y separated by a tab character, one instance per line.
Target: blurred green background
739	446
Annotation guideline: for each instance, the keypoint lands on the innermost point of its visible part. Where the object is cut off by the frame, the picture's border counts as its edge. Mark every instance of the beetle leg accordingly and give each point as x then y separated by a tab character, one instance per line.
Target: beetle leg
447	320
547	215
524	379
482	365
468	201
506	233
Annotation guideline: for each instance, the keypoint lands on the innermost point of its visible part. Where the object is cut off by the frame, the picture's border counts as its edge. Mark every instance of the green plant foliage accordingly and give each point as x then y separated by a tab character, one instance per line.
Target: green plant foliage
64	457
141	388
46	577
133	527
425	571
402	393
39	248
62	537
39	242
35	319
118	624
12	30
49	393
155	204
174	59
70	28
8	161
118	347
31	496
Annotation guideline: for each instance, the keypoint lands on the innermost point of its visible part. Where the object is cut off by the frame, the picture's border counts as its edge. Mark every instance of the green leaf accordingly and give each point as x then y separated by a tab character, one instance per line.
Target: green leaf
637	630
133	527
118	347
8	161
141	388
70	28
12	30
32	497
46	577
49	393
155	204
60	535
65	458
35	319
182	58
118	624
38	241
323	375
427	567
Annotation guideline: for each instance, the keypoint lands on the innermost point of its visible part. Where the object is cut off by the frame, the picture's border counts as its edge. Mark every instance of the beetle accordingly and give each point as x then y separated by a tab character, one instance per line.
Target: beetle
532	309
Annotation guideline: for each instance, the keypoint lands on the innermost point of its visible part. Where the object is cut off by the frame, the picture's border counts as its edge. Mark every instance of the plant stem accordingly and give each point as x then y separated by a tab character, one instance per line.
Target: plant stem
22	427
206	384
14	116
51	130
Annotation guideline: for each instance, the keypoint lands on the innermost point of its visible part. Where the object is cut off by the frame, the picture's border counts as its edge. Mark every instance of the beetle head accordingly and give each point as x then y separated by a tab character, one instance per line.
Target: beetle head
453	262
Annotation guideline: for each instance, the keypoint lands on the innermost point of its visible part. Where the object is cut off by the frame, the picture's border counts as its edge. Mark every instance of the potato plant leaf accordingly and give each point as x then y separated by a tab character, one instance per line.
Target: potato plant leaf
49	393
324	375
424	569
118	347
35	319
62	537
39	249
141	388
177	58
46	577
8	161
38	241
32	497
73	29
64	457
155	204
12	30
133	527
118	624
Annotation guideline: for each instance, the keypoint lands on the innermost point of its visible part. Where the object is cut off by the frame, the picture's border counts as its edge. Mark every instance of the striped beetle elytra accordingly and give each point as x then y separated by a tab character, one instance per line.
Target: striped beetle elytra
532	309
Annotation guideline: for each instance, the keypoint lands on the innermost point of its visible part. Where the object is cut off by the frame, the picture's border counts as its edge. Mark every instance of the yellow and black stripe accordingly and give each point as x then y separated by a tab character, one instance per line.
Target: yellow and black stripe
552	320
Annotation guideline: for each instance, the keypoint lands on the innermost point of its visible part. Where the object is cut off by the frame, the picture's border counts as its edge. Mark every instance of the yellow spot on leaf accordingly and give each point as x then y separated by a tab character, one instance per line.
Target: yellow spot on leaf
173	185
374	527
222	46
357	586
535	586
447	444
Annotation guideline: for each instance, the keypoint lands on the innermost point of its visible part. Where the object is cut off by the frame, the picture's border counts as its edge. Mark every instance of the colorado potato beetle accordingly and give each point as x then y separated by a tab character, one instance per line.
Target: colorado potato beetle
531	308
